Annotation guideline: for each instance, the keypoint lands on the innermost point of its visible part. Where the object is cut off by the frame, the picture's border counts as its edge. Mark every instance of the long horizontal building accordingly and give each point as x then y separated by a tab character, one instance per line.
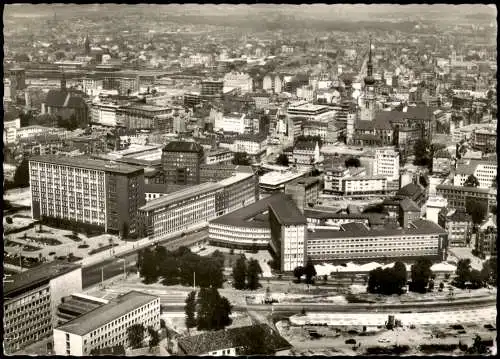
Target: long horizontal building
100	194
31	299
197	204
274	222
106	326
457	195
357	242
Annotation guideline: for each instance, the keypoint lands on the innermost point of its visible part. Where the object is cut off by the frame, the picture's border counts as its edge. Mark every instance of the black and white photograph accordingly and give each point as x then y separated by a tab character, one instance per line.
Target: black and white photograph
249	179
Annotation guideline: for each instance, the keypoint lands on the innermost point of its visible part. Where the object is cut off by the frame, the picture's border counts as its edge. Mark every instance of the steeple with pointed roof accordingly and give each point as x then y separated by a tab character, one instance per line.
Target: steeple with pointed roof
369	80
86	44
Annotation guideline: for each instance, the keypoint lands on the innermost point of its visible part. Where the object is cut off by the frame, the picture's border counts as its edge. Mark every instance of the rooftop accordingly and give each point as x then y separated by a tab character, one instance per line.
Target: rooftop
407	205
36	277
180	195
231	338
89	163
106	313
419	227
183	146
244	217
276	178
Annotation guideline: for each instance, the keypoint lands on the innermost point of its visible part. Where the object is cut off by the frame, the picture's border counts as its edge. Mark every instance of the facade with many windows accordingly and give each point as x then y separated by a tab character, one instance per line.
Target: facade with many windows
31	299
457	195
92	192
355	242
484	171
195	205
107	325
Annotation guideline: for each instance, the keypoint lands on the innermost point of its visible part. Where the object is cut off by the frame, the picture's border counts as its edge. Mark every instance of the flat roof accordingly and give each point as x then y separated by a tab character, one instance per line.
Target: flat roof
420	227
89	163
36	277
287	212
276	178
235	178
106	313
180	195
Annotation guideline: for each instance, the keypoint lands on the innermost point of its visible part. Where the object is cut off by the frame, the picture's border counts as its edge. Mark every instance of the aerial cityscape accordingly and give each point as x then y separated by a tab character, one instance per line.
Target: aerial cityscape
233	180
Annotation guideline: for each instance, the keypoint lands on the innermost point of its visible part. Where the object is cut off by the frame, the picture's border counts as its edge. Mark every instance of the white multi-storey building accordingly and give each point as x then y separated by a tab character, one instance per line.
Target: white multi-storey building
31	299
484	171
10	130
251	144
230	123
105	114
386	164
106	326
239	80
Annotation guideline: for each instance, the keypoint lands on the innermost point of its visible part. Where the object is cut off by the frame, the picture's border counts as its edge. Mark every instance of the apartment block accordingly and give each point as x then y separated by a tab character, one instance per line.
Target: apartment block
92	192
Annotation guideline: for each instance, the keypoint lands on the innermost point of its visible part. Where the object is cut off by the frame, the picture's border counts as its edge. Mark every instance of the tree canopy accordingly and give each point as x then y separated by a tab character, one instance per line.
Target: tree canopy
471	181
298	272
190	310
213	310
489	271
309	271
282	160
420	275
22	174
388	281
239	273
154	337
241	158
135	335
179	267
352	162
477	210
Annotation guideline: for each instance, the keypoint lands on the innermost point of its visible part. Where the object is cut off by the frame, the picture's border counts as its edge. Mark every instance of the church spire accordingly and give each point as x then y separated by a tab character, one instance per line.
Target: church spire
369	80
86	44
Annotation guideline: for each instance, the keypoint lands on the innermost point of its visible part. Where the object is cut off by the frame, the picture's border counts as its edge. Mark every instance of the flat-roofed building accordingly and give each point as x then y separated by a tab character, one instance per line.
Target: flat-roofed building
31	299
356	242
107	325
196	205
304	191
458	224
100	194
457	195
484	171
75	305
275	181
143	116
181	162
310	112
218	156
387	164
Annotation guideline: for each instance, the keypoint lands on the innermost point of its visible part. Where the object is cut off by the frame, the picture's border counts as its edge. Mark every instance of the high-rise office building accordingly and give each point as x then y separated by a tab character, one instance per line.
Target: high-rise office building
99	194
181	162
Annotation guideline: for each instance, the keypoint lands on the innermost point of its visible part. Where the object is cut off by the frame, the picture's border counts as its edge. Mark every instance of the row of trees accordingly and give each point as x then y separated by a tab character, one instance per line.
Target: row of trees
466	276
135	335
208	310
390	281
180	267
246	274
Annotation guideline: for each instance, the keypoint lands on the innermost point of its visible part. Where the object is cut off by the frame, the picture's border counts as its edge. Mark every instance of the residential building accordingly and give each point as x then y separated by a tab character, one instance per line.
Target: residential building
218	157
181	162
433	207
457	195
238	80
386	164
304	191
356	242
458	224
484	139
442	162
49	144
230	123
107	325
484	171
196	205
486	242
306	153
353	182
31	299
408	212
229	342
96	193
253	145
10	130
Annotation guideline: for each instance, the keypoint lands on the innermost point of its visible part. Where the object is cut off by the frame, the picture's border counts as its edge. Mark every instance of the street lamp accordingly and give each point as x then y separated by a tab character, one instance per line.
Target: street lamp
124	267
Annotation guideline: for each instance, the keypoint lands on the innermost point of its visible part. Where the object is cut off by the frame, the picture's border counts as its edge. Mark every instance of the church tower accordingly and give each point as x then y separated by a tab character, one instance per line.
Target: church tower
86	45
368	97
